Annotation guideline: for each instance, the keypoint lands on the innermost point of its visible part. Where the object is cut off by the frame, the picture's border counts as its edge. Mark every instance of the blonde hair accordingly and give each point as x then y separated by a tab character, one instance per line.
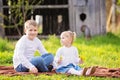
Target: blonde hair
30	23
70	33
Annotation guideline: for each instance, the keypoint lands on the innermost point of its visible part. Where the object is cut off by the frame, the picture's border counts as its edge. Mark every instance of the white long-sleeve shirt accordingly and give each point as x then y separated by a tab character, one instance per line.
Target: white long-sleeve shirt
25	49
68	55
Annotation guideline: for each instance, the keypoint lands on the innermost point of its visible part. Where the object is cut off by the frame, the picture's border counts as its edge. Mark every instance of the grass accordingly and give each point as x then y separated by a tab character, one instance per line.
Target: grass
53	77
103	50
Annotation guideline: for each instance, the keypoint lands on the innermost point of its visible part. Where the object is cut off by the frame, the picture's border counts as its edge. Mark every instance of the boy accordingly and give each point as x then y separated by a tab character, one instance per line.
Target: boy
23	59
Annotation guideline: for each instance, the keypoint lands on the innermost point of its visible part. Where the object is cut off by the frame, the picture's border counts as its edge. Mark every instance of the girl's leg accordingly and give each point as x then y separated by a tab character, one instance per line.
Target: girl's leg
75	72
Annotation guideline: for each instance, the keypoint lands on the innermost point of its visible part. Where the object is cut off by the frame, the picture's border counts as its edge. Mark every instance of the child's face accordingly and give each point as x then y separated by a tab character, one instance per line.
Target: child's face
66	40
31	32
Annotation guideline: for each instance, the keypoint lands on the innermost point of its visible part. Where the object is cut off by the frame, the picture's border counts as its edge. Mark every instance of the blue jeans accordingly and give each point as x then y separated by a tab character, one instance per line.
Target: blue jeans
64	69
40	62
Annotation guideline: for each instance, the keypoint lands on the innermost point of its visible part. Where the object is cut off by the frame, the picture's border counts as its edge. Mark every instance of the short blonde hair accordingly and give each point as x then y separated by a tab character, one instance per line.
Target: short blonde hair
69	33
30	23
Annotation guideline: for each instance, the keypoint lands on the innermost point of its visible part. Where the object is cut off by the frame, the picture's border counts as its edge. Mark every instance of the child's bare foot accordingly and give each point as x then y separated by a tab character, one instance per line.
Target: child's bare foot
90	70
84	71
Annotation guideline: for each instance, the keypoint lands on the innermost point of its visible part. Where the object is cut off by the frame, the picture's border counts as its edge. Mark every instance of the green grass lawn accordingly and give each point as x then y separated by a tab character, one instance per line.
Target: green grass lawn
101	50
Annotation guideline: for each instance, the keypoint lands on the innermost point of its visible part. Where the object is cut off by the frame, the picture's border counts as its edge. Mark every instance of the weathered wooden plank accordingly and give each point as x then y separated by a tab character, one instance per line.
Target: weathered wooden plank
103	17
72	18
92	20
50	6
2	34
97	17
109	19
80	3
43	6
39	36
113	15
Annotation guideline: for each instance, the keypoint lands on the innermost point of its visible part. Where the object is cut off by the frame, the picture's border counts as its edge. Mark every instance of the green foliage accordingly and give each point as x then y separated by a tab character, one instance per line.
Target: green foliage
6	51
6	57
19	11
5	45
52	43
118	2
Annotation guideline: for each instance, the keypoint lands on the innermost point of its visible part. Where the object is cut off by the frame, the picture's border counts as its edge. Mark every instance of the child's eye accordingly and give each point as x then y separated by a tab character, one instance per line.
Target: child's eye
30	30
62	38
35	30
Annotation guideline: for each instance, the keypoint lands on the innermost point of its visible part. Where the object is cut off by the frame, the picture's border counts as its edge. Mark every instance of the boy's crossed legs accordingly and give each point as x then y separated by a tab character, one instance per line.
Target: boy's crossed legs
42	63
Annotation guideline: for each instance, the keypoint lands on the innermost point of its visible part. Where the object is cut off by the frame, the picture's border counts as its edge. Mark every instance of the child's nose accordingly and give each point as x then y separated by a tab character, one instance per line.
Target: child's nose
33	31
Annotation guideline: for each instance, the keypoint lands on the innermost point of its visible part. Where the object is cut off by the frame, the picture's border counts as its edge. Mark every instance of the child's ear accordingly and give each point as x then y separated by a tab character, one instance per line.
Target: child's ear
24	30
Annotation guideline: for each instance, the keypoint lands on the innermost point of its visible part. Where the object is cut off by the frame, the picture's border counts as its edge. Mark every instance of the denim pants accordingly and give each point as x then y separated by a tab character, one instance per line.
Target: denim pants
40	62
64	69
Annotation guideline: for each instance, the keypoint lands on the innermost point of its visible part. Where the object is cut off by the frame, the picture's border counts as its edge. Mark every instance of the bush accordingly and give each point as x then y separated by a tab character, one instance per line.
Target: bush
5	45
6	57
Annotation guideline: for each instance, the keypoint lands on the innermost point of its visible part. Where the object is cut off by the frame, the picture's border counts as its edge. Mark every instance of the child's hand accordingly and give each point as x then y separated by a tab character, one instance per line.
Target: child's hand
60	60
33	70
81	61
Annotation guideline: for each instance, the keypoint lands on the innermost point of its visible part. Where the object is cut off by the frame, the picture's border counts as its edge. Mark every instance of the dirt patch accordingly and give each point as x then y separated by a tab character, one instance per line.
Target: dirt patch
100	72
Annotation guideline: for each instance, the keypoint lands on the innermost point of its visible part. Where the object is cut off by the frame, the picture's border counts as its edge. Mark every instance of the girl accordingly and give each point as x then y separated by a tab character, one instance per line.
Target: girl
67	58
